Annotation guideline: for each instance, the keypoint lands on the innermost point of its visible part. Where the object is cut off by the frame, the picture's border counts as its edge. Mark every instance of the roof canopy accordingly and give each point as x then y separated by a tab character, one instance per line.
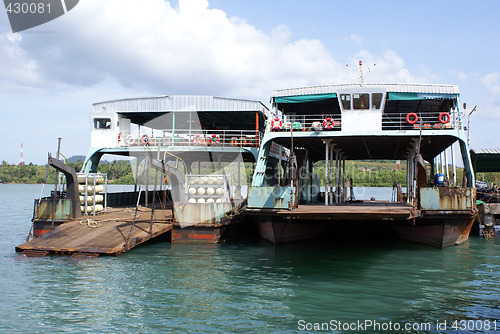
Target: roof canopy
436	91
179	103
304	98
485	160
399	96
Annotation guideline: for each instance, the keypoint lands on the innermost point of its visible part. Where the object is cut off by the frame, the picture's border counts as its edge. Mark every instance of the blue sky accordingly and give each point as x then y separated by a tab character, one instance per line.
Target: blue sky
106	49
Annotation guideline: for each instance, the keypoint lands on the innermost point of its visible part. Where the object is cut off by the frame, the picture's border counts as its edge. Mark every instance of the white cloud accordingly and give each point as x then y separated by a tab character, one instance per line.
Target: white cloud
151	47
490	102
17	69
191	49
491	82
354	38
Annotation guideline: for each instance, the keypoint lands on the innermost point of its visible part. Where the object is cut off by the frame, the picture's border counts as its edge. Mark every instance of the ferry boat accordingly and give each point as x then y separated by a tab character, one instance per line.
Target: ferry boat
192	153
334	124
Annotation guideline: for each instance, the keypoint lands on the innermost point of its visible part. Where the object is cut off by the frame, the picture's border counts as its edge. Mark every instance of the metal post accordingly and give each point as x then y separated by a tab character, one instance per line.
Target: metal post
331	176
172	142
327	150
279	166
337	156
343	180
442	162
453	166
446	164
239	173
146	170
137	162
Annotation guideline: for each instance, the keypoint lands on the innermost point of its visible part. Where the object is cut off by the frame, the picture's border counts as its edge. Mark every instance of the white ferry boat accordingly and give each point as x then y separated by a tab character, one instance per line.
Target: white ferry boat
334	124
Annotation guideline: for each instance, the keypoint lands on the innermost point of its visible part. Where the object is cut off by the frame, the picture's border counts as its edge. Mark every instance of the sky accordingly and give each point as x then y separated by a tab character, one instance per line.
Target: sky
101	50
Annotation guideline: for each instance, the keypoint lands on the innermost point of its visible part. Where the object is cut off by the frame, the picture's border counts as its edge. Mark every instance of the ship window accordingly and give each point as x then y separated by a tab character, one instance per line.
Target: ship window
346	101
376	100
360	101
102	123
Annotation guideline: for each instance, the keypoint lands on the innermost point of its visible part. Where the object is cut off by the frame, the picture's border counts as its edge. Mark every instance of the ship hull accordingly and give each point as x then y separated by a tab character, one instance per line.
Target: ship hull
278	230
439	232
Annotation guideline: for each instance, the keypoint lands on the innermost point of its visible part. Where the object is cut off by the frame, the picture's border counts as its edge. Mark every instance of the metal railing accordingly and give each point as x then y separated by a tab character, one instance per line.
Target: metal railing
415	121
325	122
196	138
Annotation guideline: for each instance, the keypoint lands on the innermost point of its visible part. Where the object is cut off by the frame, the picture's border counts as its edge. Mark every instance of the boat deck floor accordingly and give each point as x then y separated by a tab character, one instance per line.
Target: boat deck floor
362	210
111	233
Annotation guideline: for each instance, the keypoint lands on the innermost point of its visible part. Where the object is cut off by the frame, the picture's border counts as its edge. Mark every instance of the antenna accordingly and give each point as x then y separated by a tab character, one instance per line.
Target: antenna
360	70
21	160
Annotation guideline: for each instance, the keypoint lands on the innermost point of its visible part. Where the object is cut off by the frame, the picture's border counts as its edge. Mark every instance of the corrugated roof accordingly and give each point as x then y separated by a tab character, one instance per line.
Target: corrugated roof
168	103
406	88
486	151
485	160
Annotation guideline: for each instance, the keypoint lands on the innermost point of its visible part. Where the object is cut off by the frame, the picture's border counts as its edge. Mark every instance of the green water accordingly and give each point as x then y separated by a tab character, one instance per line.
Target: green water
244	288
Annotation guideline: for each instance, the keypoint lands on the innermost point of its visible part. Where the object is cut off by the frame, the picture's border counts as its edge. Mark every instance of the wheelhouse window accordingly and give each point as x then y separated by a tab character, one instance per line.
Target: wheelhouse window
376	100
360	101
345	99
102	123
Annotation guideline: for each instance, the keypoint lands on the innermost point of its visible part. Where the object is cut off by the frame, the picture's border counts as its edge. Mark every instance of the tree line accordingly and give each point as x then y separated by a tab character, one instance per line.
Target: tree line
363	173
119	172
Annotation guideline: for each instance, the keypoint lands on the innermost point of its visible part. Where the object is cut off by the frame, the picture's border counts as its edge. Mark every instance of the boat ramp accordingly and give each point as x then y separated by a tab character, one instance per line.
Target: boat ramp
112	233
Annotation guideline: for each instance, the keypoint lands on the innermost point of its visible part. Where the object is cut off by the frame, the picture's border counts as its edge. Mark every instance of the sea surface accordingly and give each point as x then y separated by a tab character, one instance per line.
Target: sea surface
353	286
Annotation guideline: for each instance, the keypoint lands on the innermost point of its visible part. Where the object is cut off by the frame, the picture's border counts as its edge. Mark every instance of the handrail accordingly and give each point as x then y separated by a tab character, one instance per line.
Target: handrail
306	122
196	138
422	120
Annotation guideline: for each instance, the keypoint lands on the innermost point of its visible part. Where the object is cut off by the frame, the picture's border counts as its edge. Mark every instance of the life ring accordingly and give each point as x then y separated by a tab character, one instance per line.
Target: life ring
130	140
444	118
276	123
328	123
197	140
120	138
409	116
146	140
215	139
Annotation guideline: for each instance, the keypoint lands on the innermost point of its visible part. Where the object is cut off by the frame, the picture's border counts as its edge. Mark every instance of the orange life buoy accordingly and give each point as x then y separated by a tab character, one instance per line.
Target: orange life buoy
215	139
145	139
328	123
409	117
276	123
197	140
444	118
120	138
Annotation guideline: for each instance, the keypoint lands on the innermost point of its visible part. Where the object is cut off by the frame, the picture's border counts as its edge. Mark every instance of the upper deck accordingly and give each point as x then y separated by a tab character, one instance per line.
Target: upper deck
178	122
371	121
367	109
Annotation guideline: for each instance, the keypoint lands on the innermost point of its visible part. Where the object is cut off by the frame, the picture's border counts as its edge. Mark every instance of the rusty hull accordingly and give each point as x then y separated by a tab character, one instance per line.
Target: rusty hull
437	230
447	199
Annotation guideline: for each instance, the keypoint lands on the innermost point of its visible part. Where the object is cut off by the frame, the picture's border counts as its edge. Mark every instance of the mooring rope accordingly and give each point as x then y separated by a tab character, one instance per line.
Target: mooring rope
95	224
488	237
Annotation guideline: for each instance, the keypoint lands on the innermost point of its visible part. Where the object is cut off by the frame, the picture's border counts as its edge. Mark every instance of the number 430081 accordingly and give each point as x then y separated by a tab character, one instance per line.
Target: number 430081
25	8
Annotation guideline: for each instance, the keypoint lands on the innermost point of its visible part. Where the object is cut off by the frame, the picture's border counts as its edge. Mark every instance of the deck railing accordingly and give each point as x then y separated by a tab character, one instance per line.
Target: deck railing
327	122
195	138
415	121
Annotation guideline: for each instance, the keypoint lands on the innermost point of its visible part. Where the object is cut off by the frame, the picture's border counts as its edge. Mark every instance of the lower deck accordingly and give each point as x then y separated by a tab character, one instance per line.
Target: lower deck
358	210
111	233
